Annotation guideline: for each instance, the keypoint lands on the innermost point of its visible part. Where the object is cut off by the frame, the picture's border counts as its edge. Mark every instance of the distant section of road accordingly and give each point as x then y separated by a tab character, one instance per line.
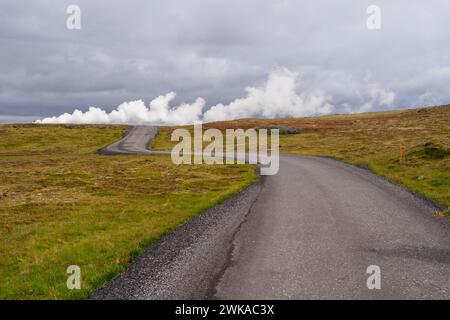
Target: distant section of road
136	141
309	232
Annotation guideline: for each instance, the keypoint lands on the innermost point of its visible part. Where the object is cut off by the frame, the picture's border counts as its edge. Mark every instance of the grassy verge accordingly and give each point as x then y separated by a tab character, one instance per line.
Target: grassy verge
371	140
61	204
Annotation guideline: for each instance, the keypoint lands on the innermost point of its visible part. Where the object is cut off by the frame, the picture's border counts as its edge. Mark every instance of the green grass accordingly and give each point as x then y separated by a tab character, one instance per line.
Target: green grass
443	214
61	204
370	140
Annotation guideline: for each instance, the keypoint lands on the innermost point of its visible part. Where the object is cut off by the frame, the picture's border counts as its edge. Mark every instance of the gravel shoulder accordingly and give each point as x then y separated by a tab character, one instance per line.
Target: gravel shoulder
187	262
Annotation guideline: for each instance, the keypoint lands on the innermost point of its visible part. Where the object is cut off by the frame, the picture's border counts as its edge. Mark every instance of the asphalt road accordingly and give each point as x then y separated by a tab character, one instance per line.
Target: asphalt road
136	141
309	232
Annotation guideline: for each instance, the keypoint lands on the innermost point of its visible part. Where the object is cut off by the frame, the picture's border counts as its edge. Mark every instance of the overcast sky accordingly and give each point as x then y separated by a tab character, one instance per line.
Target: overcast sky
131	50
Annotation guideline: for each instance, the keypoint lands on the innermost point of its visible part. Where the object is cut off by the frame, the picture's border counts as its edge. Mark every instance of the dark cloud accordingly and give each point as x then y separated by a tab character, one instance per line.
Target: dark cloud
140	49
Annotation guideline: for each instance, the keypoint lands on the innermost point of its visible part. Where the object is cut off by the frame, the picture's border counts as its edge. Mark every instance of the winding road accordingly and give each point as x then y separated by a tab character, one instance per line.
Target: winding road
309	232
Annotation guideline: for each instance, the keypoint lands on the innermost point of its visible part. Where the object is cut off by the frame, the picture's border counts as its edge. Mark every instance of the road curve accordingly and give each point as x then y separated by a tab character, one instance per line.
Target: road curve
309	232
136	141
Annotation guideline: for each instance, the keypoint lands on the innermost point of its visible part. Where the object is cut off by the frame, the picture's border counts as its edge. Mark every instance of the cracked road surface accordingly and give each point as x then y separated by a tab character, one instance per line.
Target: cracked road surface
309	232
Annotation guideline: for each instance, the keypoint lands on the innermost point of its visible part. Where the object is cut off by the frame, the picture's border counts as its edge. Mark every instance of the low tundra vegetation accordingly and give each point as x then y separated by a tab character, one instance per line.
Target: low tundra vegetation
281	129
62	204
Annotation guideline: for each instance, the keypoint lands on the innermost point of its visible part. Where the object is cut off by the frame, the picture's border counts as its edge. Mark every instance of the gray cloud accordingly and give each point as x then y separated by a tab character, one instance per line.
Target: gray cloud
142	49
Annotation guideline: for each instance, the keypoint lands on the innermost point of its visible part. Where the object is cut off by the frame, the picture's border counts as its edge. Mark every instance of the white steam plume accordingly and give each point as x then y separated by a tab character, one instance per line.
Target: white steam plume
379	97
276	98
135	112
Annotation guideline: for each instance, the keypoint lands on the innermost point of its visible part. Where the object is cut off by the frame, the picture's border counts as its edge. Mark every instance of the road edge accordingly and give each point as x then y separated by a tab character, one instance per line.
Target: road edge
169	268
430	202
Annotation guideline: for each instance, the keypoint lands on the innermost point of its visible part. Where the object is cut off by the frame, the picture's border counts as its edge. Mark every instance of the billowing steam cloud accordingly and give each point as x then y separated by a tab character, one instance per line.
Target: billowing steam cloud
135	112
378	96
276	98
